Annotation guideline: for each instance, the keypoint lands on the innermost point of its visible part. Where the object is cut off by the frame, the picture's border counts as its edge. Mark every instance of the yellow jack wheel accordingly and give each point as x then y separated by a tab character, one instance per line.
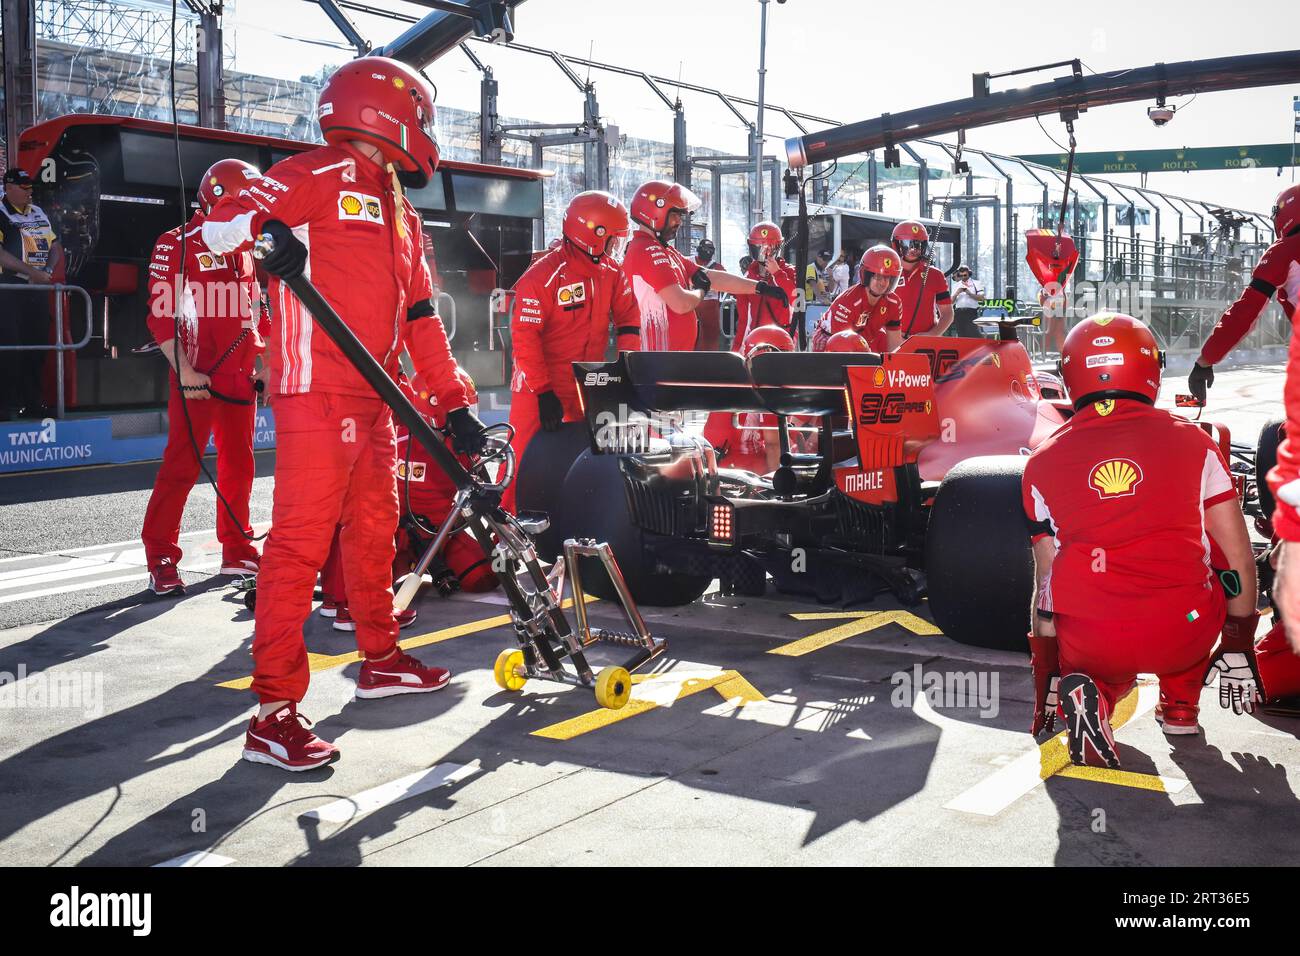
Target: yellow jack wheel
504	670
613	687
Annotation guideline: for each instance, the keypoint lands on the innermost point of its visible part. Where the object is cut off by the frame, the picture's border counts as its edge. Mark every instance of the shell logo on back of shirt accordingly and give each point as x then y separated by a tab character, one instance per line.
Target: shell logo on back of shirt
1116	478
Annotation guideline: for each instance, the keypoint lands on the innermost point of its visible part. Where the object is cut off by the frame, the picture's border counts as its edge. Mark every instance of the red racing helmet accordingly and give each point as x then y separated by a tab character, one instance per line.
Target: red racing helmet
766	338
1111	355
847	340
881	260
765	240
388	105
910	236
1286	211
225	177
597	223
654	200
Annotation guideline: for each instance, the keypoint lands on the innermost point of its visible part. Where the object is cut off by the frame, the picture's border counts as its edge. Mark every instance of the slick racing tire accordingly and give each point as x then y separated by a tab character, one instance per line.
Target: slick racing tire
979	565
543	470
1270	436
595	506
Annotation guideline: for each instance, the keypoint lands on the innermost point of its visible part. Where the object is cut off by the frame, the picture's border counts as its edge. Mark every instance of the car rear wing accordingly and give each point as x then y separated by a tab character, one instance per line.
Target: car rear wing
620	399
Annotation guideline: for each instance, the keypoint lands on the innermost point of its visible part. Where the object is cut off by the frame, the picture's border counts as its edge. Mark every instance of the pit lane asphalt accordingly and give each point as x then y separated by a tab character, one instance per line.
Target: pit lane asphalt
737	755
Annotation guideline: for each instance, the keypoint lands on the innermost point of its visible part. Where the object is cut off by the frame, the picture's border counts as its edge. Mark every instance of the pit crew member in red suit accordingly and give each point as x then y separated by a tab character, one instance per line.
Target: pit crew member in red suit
338	216
1123	502
748	440
210	334
767	267
927	303
565	305
668	286
869	308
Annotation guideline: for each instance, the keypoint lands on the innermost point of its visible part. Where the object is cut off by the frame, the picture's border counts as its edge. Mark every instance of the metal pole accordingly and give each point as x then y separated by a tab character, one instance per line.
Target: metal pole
59	409
758	137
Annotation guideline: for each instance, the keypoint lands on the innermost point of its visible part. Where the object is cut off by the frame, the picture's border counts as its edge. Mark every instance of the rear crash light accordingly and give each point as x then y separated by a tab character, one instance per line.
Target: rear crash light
722	522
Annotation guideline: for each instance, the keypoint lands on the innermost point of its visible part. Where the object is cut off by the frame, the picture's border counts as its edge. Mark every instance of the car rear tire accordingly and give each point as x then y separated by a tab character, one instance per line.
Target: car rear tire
540	482
978	560
595	506
1270	437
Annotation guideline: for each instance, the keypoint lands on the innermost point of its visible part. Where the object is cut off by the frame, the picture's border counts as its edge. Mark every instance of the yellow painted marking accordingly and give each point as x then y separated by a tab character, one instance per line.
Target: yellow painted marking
1124	778
730	685
323	662
859	622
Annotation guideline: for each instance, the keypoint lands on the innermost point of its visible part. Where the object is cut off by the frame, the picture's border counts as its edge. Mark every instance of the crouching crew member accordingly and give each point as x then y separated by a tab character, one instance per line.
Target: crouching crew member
748	440
565	305
210	332
1124	501
869	308
668	286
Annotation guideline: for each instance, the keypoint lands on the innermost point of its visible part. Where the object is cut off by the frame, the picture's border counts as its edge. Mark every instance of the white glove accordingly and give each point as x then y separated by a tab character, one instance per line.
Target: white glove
1238	681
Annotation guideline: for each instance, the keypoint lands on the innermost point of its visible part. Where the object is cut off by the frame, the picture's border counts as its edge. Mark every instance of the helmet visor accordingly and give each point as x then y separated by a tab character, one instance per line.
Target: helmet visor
616	247
908	246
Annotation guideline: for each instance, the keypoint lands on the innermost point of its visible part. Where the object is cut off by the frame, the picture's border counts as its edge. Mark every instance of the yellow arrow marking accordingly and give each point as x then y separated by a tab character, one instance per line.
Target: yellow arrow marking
859	622
730	685
322	662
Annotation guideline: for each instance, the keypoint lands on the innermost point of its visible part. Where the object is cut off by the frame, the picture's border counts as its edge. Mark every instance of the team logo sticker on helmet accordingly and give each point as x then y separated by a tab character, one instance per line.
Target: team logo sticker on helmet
1106	358
359	207
1115	478
1102	341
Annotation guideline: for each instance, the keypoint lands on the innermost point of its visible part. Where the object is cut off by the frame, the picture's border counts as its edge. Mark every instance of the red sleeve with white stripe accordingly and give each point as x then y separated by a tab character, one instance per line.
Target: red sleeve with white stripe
1216	479
532	307
285	192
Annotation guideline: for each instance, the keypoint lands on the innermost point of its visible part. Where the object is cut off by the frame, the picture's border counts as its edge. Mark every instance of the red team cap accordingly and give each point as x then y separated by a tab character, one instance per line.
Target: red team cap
766	338
597	223
910	236
656	199
882	261
1286	212
225	177
1111	355
846	340
388	105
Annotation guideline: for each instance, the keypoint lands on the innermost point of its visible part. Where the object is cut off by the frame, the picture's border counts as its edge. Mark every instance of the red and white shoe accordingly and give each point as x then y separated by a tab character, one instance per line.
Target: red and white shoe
1087	720
1177	717
399	674
283	740
165	579
343	619
329	608
244	566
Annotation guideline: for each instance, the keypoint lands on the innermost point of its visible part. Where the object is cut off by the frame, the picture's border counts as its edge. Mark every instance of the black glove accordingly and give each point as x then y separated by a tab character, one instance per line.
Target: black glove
772	292
700	280
1202	377
550	410
466	431
289	256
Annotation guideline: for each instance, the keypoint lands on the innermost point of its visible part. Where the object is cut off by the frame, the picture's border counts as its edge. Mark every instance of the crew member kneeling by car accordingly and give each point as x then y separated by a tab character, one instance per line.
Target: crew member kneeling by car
668	286
565	304
1124	501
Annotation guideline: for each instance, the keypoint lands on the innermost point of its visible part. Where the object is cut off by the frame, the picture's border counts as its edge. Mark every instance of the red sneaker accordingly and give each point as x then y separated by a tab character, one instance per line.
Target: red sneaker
343	619
244	565
1177	717
283	740
399	674
329	608
164	578
1087	718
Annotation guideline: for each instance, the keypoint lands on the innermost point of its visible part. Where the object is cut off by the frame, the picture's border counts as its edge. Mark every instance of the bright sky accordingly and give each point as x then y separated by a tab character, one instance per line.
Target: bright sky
851	60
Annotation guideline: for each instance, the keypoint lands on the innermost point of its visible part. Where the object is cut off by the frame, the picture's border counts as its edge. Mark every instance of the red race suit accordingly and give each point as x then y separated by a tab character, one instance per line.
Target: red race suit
565	306
753	310
650	266
854	309
921	291
219	323
336	456
1123	488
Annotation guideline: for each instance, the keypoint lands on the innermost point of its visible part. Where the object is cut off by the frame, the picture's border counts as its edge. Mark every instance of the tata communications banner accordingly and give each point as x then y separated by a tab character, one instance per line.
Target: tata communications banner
38	446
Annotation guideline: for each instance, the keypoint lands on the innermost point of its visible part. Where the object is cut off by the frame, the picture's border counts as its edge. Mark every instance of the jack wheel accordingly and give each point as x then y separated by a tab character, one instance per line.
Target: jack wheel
250	599
613	687
504	670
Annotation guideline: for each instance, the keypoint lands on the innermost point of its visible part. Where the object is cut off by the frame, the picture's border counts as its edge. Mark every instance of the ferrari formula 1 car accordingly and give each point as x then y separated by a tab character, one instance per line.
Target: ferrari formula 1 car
898	472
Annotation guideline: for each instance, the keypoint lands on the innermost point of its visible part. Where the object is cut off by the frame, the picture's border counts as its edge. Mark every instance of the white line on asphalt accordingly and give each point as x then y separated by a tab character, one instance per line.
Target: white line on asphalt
133	542
376	798
198	858
140	575
995	793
